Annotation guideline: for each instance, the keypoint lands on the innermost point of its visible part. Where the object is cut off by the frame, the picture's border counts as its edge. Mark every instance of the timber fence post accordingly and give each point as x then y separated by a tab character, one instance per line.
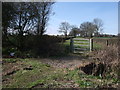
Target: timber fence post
91	44
71	45
107	42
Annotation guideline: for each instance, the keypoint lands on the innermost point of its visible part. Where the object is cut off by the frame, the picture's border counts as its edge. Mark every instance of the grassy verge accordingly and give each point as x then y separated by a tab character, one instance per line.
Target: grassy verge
40	74
45	76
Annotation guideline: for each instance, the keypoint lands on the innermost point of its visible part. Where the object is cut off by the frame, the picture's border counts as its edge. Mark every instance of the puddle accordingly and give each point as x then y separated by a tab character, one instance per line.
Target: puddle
94	69
88	69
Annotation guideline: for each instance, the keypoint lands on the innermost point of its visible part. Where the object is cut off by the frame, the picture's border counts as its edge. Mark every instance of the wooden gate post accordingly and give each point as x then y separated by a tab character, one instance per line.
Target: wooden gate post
107	42
91	44
71	45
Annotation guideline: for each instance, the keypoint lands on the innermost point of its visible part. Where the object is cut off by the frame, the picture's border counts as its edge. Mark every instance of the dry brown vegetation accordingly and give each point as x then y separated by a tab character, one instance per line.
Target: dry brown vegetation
111	41
109	58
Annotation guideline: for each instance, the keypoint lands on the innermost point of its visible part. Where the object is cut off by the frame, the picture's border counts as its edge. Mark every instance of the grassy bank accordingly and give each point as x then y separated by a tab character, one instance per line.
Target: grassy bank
28	73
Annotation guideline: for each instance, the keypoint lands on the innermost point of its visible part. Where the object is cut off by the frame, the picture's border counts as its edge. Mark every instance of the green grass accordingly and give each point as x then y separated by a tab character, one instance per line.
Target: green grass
81	40
67	42
24	78
84	80
79	78
45	76
97	46
86	47
10	60
40	74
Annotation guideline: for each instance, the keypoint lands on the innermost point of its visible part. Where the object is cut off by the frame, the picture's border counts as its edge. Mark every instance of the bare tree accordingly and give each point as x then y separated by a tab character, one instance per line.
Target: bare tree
88	28
28	17
74	31
99	25
23	21
64	28
8	12
43	10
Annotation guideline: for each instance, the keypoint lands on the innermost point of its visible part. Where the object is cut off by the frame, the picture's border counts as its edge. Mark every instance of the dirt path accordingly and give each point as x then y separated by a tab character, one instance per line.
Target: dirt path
71	61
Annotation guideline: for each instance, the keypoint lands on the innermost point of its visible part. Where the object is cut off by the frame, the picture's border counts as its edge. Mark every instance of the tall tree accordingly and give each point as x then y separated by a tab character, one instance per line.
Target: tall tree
74	31
99	25
23	22
88	28
64	28
28	16
43	10
8	12
24	19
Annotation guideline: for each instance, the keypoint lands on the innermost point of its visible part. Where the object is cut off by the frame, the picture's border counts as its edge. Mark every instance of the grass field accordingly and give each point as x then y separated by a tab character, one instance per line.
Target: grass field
29	73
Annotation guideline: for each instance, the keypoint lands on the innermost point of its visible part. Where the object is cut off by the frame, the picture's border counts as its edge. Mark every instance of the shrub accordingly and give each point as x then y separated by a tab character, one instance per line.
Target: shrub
8	50
109	57
34	46
48	46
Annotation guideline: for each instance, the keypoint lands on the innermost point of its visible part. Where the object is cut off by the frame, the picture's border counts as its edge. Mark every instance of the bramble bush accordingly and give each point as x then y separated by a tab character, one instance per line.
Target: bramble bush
109	57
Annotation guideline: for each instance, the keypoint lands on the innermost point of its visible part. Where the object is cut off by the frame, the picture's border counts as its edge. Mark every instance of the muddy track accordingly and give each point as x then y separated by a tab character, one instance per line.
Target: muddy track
71	62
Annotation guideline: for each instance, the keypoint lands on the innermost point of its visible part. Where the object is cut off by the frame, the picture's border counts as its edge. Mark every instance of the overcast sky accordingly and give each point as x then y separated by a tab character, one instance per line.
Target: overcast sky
78	12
